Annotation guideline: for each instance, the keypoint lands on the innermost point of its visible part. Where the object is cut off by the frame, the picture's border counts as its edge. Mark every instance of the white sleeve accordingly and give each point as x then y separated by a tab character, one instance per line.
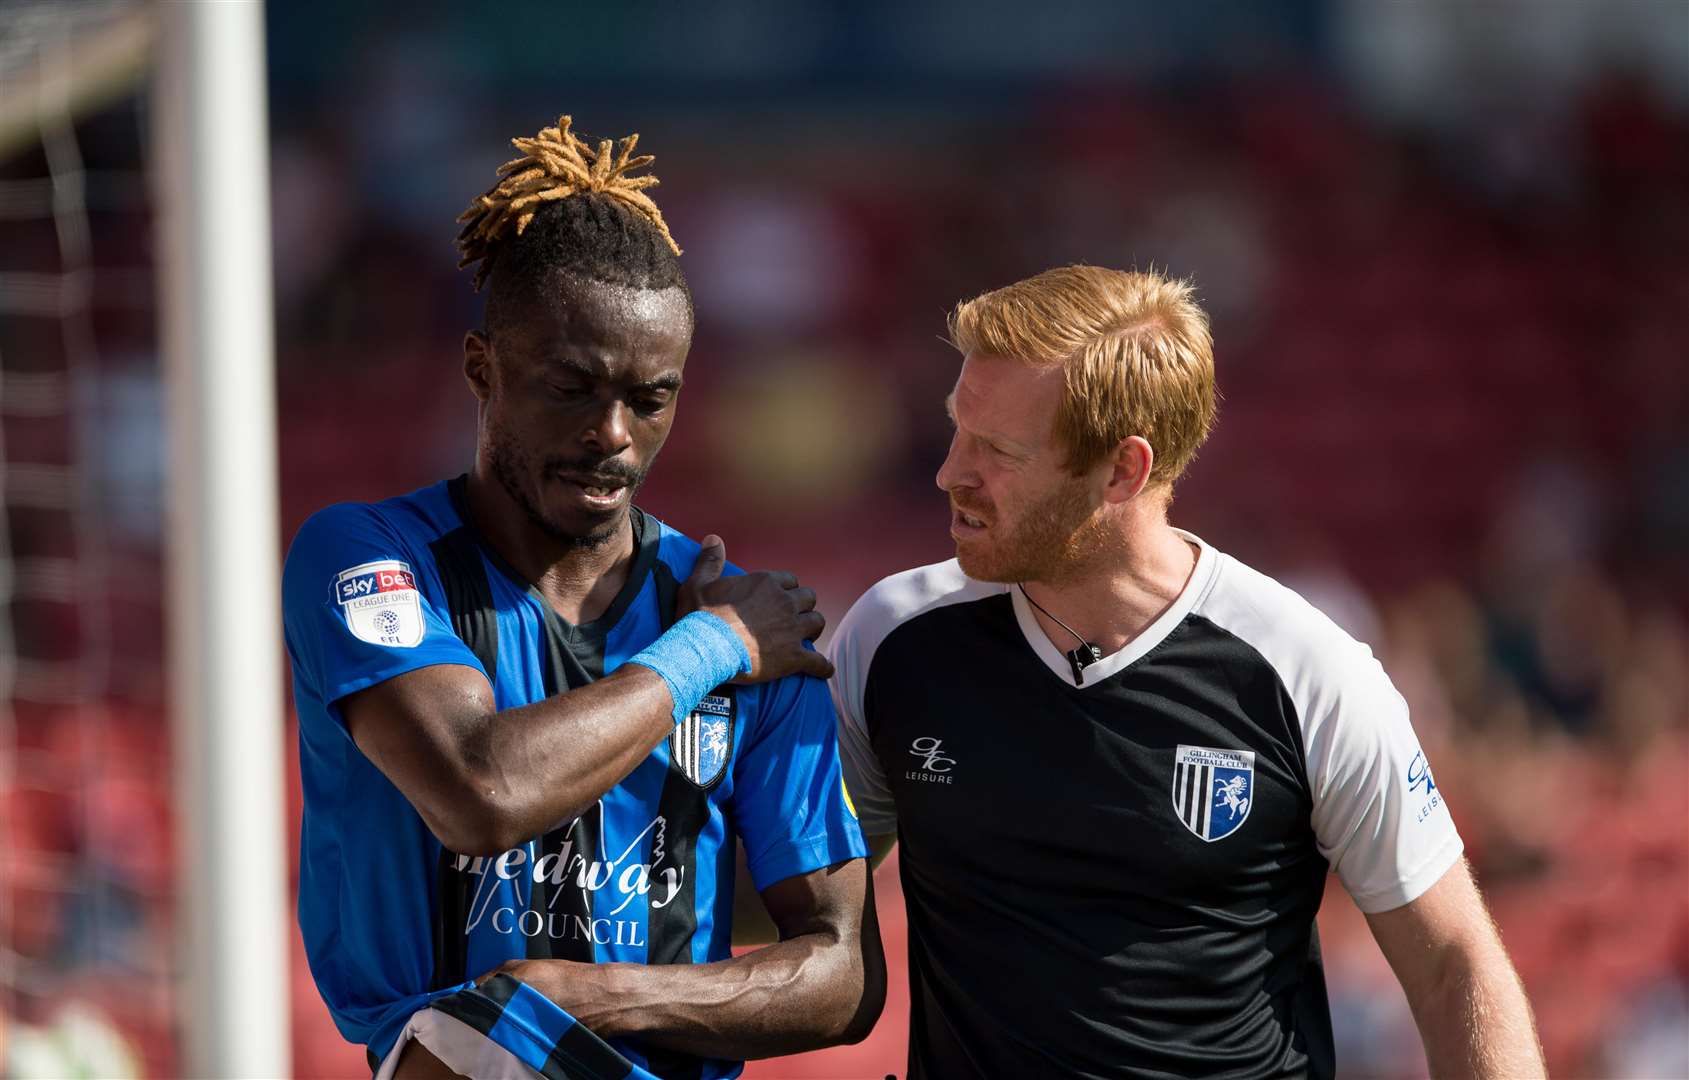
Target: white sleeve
851	652
1378	816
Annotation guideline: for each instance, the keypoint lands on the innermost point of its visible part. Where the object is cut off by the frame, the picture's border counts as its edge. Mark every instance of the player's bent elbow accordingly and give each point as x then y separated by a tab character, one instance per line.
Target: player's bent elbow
475	824
862	1001
869	1005
462	839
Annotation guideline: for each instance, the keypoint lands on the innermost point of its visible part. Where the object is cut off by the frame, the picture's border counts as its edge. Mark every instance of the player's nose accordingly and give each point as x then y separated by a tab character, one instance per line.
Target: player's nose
956	471
608	431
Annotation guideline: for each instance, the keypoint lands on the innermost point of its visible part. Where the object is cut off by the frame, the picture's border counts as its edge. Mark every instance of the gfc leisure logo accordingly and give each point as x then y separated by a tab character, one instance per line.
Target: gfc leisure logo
935	763
1418	776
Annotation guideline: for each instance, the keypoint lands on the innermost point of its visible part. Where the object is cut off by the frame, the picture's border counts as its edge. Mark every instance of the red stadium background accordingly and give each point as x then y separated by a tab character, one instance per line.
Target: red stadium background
1447	258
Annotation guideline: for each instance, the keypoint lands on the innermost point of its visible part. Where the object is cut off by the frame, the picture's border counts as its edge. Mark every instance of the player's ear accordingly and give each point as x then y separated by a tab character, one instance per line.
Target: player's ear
478	363
1129	469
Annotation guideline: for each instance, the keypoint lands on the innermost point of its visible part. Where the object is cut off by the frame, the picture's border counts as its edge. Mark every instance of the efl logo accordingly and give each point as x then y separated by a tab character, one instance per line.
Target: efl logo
380	603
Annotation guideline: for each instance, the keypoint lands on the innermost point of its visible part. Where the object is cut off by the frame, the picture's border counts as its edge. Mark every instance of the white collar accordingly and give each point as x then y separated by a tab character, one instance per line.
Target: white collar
1207	562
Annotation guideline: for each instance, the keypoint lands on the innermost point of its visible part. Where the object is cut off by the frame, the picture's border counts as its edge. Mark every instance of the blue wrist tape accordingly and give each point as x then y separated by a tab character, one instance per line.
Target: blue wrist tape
694	656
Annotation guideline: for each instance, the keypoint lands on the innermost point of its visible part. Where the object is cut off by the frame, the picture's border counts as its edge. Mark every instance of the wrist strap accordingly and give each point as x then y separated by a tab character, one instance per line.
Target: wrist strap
694	656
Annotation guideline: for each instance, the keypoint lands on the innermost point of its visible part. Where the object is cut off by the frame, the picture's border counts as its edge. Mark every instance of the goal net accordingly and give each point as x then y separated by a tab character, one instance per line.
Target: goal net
99	969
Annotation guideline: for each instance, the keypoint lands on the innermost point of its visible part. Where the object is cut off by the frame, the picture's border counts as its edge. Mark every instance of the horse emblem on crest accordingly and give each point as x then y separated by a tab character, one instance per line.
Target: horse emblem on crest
702	744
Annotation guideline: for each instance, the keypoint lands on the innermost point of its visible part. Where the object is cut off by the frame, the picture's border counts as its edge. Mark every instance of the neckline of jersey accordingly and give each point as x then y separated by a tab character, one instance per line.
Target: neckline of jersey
1201	579
645	539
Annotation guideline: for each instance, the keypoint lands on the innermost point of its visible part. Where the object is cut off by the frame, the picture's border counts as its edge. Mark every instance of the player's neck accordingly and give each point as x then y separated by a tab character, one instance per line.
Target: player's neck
580	583
1120	592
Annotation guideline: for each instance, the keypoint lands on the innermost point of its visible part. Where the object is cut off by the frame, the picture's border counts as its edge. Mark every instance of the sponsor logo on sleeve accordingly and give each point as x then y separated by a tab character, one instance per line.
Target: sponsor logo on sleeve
1419	776
1213	789
380	603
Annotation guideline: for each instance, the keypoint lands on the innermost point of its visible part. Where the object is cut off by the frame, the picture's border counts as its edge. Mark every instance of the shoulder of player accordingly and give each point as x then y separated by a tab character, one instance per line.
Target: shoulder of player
334	526
337	516
1316	660
677	551
901	598
400	516
348	533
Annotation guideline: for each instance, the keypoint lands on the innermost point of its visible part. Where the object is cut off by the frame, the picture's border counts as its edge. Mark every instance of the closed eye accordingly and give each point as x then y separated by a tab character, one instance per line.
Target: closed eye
651	404
568	392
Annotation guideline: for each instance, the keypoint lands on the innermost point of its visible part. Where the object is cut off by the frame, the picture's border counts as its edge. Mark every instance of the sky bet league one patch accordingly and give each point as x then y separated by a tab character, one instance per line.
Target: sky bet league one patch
381	604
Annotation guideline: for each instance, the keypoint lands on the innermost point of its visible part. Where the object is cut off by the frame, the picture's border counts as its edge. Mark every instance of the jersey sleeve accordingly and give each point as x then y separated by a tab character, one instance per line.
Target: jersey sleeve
354	609
1378	816
864	776
789	802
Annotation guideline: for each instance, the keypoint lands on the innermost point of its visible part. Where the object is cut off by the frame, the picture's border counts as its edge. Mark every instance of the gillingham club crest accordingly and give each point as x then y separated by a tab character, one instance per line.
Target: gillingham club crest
1213	789
703	742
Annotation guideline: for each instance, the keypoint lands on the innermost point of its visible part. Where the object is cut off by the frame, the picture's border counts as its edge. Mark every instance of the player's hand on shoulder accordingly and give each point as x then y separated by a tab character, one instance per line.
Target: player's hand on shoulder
770	611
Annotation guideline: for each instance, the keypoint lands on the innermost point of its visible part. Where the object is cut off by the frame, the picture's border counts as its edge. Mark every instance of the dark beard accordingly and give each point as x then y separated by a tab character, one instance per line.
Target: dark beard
510	465
1054	539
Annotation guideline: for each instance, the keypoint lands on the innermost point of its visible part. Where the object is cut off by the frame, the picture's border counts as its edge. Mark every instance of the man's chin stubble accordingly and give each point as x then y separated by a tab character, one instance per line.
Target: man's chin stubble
590	541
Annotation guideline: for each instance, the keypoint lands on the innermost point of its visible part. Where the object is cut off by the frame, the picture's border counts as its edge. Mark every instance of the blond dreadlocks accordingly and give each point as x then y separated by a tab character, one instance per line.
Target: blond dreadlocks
611	210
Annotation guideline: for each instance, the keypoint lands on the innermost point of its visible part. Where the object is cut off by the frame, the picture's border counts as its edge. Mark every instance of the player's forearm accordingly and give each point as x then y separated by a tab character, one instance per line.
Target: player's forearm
545	763
1476	1022
800	994
535	766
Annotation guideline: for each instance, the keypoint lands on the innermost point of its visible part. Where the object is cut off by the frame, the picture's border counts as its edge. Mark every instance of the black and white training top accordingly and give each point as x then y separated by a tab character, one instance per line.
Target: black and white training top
1119	878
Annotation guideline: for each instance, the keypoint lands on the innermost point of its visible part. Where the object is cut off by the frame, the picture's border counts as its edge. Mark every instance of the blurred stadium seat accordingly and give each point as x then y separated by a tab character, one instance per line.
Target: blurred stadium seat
1464	400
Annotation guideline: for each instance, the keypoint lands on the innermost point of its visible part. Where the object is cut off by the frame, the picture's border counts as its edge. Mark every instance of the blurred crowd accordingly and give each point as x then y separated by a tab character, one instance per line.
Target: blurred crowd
1455	416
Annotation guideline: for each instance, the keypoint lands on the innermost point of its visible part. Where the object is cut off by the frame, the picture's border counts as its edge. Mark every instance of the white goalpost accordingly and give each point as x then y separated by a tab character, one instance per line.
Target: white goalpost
222	555
74	684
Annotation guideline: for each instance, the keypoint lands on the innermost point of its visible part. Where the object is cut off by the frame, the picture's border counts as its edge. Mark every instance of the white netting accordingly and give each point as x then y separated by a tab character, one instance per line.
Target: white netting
84	875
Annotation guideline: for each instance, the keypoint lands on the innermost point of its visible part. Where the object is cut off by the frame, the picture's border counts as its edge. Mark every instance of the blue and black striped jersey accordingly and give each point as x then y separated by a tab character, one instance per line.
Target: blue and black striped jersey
391	919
